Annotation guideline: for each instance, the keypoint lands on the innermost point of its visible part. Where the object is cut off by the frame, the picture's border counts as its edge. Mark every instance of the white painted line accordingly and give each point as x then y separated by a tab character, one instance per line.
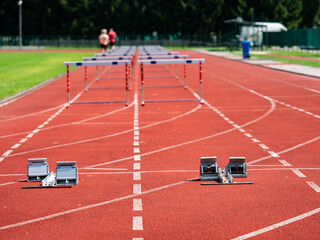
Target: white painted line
309	113
255	140
36	130
136	176
273	154
285	163
236	126
225	118
1	159
7	153
136	166
137	204
136	133
137	238
248	135
137	223
30	135
231	122
242	130
136	188
301	110
314	186
16	146
41	126
135	143
277	225
23	140
263	146
317	116
136	150
298	173
135	128
136	157
136	138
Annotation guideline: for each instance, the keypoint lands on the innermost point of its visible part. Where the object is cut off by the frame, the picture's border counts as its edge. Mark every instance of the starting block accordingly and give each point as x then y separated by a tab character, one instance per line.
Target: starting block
66	173
50	180
237	167
209	170
38	169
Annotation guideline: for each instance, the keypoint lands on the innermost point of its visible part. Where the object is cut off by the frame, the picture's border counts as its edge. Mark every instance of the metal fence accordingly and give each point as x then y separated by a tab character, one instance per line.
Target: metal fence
308	38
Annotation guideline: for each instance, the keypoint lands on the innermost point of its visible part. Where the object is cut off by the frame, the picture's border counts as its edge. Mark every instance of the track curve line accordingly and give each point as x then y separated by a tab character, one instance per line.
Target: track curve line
106	136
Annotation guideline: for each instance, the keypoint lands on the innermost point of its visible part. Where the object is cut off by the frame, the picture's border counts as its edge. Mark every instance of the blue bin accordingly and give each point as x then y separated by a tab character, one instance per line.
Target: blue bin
245	48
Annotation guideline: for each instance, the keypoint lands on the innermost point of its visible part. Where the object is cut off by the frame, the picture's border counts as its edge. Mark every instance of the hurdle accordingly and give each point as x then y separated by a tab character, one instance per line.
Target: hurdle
157	57
171	61
126	63
108	58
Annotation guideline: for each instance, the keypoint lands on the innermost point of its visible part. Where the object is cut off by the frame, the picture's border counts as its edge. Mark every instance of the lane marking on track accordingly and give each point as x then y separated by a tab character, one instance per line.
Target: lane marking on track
136	166
136	176
91	206
298	173
285	163
137	204
109	136
314	186
286	150
137	223
278	225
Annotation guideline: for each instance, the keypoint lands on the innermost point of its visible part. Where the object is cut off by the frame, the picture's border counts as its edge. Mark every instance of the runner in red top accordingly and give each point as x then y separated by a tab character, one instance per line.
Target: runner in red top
112	38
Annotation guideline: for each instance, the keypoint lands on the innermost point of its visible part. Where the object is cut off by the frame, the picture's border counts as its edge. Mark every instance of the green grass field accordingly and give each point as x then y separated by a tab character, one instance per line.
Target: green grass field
22	70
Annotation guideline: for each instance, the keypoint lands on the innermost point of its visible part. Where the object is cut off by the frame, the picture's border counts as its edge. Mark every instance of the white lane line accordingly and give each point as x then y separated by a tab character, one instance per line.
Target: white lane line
137	238
136	176
248	135
263	146
136	157
7	153
136	166
136	138
136	133
242	130
16	146
23	140
135	143
137	223
255	140
30	135
314	186
137	204
136	188
1	159
298	173
136	150
285	163
278	225
273	154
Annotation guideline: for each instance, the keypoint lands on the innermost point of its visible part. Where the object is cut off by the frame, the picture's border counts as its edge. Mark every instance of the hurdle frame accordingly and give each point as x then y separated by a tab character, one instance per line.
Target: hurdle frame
109	58
172	61
97	63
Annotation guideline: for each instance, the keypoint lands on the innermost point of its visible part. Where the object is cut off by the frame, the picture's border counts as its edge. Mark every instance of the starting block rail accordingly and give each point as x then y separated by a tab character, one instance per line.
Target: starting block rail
172	61
126	63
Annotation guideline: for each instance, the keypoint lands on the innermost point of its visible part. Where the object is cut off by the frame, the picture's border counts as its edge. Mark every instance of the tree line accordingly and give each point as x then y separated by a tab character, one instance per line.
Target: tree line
85	18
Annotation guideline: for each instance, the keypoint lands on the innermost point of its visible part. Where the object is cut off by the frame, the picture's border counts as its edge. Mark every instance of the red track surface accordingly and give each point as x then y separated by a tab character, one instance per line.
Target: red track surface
265	115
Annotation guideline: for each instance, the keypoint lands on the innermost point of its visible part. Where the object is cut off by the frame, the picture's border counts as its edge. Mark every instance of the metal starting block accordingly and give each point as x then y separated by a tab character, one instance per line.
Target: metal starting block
209	170
237	167
66	173
38	169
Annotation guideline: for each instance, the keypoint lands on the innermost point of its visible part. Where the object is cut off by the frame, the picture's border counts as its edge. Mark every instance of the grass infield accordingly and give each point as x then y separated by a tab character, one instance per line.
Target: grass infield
22	70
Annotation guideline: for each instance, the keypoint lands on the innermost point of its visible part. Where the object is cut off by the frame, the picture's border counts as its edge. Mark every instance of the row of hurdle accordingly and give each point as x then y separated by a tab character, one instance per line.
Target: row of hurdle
120	56
125	55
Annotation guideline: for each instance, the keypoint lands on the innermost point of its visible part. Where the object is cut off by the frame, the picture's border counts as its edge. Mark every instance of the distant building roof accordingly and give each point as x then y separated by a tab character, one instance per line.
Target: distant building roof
273	26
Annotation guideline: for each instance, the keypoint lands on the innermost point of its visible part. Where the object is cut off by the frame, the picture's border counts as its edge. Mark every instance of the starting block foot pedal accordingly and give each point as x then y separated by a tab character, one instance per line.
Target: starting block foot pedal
30	187
209	170
234	183
237	167
38	169
66	173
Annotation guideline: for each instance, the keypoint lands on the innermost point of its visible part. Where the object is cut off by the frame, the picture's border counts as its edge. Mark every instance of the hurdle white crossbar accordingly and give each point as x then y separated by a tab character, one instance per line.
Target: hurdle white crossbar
98	63
107	58
158	53
163	57
199	61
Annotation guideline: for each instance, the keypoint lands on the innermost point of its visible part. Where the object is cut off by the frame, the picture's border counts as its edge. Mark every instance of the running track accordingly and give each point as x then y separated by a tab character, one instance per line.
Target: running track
138	166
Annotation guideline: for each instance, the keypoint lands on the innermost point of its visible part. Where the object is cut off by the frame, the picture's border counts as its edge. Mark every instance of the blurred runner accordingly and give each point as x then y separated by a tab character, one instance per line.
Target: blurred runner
104	40
112	38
